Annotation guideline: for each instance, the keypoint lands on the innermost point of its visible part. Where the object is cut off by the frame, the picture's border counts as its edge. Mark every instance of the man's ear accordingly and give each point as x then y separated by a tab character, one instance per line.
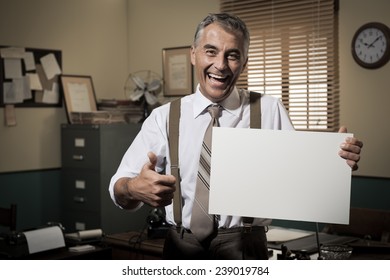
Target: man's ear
245	65
192	55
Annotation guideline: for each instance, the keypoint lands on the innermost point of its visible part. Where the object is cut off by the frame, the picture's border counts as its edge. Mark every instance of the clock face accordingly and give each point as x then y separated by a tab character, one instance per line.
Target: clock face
371	45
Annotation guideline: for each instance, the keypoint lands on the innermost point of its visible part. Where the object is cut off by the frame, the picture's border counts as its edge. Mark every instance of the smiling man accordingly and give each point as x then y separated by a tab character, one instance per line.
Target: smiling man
219	55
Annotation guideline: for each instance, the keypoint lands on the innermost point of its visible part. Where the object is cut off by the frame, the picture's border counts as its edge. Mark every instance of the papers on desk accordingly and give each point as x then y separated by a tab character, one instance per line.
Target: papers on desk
277	174
279	235
92	234
303	241
82	248
44	239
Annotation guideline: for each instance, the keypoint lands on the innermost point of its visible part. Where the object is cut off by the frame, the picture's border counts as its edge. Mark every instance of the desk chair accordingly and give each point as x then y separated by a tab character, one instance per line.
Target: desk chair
8	217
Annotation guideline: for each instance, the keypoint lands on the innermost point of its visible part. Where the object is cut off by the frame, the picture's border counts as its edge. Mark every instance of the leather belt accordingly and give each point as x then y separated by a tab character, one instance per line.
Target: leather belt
245	229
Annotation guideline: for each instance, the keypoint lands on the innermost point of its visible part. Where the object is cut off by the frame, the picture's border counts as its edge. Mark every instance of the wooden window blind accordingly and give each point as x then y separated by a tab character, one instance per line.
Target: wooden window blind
293	55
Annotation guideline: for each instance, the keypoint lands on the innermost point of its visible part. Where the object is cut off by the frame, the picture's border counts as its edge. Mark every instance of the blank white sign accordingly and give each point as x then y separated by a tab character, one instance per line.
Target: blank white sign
276	174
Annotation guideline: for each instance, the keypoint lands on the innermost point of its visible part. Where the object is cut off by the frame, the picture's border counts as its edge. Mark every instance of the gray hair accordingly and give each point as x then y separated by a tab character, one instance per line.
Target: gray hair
228	22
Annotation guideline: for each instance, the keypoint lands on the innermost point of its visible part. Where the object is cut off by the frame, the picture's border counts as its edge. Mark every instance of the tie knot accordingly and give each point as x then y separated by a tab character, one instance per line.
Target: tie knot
215	111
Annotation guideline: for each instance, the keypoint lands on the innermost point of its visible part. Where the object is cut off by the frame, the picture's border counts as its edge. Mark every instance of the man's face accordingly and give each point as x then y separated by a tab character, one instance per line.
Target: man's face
219	59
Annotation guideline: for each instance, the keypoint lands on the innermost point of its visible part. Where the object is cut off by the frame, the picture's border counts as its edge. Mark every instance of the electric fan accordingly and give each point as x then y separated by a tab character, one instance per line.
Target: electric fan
143	86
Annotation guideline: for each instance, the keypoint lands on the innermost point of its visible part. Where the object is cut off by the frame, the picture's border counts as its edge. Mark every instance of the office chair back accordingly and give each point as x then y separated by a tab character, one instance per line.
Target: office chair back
8	217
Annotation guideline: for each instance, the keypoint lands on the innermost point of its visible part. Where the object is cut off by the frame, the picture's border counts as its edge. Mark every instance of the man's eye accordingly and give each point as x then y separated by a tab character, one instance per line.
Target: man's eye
211	52
234	57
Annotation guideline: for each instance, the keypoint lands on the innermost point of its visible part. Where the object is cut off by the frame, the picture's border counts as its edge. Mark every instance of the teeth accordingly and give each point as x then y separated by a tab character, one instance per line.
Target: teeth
217	76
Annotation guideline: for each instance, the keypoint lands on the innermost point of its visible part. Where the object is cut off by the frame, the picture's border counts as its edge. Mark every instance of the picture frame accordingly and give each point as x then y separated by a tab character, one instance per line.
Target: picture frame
177	71
79	94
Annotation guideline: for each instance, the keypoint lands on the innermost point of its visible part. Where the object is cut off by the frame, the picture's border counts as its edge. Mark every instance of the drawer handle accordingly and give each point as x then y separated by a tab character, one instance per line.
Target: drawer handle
80	184
78	157
79	199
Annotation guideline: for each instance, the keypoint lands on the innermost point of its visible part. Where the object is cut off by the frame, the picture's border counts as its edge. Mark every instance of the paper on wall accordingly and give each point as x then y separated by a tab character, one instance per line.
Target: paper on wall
50	66
12	68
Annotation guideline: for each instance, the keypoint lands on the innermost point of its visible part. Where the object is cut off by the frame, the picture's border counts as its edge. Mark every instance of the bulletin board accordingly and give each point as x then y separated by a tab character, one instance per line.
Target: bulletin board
29	77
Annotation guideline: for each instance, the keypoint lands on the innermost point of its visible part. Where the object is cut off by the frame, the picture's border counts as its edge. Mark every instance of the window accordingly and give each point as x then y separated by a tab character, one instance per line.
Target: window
293	55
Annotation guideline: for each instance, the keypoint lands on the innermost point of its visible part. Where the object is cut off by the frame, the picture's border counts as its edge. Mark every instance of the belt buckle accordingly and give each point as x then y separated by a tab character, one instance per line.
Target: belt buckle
247	227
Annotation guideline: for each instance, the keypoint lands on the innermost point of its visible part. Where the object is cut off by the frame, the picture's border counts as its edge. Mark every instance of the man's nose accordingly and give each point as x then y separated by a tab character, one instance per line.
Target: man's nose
220	62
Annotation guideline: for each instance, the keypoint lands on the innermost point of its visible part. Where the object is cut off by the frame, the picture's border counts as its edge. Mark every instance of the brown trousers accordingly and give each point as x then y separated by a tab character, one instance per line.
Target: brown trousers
233	244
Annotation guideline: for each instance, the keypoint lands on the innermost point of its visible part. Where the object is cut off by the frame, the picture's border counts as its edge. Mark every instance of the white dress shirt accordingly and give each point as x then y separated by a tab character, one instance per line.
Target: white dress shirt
194	120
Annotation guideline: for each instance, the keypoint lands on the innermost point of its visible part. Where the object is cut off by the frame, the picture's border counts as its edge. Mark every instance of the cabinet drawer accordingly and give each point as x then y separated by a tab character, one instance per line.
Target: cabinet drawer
81	190
80	220
80	148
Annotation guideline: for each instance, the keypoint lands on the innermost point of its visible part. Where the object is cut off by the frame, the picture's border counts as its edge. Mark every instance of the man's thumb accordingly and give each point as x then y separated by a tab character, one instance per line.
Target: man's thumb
153	160
342	129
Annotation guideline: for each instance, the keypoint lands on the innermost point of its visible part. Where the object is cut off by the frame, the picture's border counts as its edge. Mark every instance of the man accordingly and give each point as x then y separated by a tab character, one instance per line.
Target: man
219	55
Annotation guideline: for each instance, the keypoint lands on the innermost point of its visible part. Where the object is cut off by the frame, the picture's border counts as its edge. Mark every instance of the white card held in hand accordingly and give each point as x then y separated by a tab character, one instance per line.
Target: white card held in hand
288	175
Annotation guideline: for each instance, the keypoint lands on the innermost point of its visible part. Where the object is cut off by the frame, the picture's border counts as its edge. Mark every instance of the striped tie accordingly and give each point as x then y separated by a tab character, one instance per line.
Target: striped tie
202	223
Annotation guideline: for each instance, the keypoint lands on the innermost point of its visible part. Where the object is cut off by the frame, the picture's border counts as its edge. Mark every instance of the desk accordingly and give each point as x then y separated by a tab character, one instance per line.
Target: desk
99	253
134	245
298	241
357	254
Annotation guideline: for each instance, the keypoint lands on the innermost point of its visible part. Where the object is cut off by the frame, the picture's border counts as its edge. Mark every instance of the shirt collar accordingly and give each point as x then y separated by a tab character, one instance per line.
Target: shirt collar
231	104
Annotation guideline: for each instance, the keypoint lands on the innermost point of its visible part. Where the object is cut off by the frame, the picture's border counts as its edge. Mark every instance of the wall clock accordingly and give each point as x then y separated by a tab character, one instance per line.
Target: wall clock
371	45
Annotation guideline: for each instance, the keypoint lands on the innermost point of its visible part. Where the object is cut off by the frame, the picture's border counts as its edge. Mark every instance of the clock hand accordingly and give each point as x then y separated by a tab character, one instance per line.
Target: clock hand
372	44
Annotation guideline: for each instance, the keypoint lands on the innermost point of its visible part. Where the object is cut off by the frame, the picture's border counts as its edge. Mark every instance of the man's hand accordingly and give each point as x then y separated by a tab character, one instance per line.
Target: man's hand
350	149
149	187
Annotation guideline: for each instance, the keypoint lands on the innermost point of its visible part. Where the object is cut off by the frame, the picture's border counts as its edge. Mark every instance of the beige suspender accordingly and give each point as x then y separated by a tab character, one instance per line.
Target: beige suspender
255	110
173	139
174	120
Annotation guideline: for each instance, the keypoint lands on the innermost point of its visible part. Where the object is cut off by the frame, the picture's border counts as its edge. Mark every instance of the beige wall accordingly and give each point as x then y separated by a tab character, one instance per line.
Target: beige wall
162	24
155	24
365	95
107	39
93	36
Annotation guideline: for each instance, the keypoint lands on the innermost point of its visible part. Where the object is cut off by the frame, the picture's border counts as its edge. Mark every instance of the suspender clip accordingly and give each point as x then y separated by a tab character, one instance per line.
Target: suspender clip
247	227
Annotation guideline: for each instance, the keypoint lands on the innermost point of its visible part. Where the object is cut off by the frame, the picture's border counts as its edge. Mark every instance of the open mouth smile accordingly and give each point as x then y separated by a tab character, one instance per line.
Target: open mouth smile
218	78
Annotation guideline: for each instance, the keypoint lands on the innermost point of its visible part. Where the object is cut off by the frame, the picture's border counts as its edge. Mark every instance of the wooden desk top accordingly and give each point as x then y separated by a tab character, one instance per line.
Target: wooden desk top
99	253
135	242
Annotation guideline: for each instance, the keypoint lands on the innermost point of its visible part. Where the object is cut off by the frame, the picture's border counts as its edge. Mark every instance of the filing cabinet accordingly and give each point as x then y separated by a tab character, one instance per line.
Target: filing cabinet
90	155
